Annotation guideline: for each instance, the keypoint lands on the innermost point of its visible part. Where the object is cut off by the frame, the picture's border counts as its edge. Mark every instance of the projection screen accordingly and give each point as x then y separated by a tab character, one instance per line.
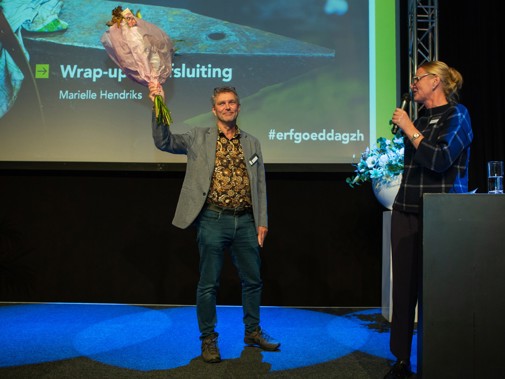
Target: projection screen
317	79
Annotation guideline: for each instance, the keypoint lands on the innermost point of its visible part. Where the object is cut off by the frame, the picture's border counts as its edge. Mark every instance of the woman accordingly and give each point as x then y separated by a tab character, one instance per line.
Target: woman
437	151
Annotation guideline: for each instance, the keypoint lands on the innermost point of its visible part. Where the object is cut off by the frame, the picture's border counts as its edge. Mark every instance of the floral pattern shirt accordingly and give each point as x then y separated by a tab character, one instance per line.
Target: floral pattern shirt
230	186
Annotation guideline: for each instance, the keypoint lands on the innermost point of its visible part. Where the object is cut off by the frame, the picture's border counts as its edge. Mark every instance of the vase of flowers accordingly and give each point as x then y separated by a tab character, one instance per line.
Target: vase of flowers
385	192
382	165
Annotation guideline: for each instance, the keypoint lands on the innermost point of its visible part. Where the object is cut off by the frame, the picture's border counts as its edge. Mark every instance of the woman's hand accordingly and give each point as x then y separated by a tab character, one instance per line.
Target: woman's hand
401	118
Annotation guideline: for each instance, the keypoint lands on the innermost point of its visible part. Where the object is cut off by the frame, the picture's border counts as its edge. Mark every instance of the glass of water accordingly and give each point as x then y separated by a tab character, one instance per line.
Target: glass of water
495	177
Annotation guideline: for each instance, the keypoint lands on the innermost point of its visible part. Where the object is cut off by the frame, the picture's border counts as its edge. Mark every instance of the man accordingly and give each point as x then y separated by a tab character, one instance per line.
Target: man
224	197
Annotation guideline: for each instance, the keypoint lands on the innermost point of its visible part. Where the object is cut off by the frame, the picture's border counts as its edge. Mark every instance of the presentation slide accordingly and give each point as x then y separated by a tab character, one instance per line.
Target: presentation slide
308	73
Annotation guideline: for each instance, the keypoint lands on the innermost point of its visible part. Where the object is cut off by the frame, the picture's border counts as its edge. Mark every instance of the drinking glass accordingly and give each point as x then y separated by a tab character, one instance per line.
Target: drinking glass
495	177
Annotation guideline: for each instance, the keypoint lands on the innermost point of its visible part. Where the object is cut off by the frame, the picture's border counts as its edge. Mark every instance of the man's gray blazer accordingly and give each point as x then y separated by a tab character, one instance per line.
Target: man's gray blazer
199	144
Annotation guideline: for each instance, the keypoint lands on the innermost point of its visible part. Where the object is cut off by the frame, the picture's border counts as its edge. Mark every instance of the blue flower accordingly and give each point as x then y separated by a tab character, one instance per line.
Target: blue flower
383	161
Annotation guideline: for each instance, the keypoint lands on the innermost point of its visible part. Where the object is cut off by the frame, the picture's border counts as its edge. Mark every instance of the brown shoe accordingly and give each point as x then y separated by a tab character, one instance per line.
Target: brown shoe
210	351
261	339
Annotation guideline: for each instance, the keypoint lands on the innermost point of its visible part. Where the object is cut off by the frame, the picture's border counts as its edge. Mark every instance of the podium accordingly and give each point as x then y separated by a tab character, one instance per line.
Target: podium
461	329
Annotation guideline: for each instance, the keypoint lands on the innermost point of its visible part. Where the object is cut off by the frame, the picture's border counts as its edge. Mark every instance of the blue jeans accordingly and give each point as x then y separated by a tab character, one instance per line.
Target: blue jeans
215	233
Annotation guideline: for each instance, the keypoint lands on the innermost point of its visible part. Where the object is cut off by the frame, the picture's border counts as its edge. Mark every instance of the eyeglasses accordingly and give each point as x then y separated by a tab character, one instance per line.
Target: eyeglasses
416	79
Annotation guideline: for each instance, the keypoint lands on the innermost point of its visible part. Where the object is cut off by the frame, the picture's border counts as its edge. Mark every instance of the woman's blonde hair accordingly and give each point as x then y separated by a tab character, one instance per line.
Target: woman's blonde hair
451	79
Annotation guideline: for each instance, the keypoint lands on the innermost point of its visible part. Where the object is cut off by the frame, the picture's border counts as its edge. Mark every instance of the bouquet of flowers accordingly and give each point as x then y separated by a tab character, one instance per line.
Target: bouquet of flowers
382	162
142	50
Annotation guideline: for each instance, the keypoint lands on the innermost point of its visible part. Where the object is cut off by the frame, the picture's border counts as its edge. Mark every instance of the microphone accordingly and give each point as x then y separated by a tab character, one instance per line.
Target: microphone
404	104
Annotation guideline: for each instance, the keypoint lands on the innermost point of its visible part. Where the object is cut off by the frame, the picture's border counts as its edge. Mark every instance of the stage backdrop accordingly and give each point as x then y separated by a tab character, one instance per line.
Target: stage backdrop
106	236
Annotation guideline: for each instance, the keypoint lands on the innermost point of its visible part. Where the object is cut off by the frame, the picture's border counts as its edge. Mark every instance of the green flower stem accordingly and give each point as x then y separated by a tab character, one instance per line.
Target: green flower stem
161	111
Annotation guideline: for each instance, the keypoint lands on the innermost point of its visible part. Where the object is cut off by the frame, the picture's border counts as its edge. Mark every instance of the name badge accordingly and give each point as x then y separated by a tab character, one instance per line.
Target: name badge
253	159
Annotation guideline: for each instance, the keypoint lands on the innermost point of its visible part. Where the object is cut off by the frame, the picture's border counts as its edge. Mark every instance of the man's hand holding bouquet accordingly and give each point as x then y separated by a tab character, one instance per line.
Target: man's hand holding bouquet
144	52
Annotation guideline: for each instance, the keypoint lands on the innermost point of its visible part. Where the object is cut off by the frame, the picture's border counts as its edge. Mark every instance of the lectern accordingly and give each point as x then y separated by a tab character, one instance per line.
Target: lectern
461	328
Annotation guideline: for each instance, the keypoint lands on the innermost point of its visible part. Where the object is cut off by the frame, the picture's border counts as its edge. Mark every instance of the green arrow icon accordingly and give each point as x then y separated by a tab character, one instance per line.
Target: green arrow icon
42	71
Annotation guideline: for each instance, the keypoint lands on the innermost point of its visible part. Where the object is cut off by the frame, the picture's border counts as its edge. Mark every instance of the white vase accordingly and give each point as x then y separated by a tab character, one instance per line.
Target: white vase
386	192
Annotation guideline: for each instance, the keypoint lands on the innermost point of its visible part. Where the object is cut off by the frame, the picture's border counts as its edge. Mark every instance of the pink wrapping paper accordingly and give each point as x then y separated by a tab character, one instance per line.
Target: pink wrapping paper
144	52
